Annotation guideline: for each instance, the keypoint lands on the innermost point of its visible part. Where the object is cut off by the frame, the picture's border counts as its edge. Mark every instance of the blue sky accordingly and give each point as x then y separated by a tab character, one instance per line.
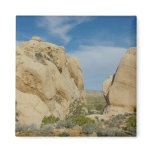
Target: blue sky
98	42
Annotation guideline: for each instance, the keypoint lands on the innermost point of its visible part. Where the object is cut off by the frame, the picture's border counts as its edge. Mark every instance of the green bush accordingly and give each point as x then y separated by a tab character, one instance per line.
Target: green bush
131	125
64	134
49	120
81	120
76	109
96	104
131	122
89	128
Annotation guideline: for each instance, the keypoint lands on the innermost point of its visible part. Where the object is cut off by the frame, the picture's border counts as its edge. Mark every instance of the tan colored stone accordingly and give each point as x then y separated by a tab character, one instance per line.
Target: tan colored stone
36	38
30	109
106	84
45	71
121	92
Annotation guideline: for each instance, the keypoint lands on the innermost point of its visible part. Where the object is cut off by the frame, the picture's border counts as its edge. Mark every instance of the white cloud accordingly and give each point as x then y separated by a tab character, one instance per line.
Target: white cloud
59	26
98	62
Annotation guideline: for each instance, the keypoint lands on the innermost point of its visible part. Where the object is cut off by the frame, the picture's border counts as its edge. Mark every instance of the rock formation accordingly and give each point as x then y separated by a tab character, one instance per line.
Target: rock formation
47	81
120	89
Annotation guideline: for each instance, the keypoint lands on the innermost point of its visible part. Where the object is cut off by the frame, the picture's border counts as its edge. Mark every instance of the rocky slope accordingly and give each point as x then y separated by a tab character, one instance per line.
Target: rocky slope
47	81
120	89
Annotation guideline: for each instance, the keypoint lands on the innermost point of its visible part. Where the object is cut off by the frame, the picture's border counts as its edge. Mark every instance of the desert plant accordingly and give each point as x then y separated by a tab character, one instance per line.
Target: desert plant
95	104
64	134
81	120
49	120
89	128
96	117
127	114
131	131
120	117
32	128
131	122
46	129
131	125
116	121
67	123
18	127
77	108
113	123
25	128
109	132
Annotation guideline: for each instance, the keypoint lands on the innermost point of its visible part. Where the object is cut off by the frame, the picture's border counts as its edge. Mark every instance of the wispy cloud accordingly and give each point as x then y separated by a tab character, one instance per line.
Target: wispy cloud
59	26
98	62
28	36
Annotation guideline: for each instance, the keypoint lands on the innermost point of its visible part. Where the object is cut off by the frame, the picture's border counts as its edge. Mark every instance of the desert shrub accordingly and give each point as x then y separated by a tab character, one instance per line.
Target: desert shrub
67	123
113	122
20	128
116	121
89	128
32	128
127	114
131	130
131	122
17	127
109	132
120	117
64	134
96	117
46	129
81	120
60	124
25	128
131	125
96	104
102	120
76	109
49	120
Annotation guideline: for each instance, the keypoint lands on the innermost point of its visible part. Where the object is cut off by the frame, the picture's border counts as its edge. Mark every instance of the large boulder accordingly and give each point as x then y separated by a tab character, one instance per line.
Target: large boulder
46	75
30	109
120	90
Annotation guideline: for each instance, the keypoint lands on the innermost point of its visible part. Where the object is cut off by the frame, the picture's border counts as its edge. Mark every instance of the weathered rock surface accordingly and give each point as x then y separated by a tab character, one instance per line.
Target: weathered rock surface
105	88
46	76
120	90
30	108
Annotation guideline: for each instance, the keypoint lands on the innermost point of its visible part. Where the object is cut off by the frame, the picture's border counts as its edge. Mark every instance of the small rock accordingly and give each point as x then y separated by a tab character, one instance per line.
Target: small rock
36	38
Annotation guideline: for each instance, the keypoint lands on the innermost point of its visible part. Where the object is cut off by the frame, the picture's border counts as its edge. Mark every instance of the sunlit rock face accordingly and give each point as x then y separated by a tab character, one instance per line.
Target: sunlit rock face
47	81
120	89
